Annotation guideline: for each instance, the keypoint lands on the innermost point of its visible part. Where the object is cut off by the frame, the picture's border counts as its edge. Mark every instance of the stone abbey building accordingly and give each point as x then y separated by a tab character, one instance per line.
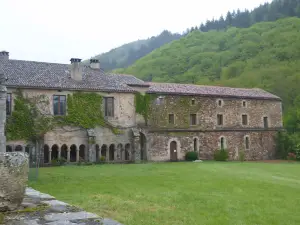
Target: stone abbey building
157	121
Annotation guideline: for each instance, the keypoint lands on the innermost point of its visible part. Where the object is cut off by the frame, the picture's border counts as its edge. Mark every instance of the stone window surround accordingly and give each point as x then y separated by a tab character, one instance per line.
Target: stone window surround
178	147
225	142
245	146
65	107
196	121
268	118
198	143
244	101
113	107
223	119
173	118
247	119
220	101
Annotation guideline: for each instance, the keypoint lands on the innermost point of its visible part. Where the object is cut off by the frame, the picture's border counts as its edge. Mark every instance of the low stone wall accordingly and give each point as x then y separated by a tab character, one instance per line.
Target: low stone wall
14	170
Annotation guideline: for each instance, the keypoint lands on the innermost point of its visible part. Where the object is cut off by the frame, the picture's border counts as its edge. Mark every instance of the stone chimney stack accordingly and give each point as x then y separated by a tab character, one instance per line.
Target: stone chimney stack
95	64
76	69
4	55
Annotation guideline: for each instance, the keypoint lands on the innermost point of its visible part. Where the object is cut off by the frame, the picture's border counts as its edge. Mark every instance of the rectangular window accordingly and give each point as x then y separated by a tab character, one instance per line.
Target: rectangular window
266	122
8	104
244	119
109	106
193	119
59	104
171	119
220	119
247	142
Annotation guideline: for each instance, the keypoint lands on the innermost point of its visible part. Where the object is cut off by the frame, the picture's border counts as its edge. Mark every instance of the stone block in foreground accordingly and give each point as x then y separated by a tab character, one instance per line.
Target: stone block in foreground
14	169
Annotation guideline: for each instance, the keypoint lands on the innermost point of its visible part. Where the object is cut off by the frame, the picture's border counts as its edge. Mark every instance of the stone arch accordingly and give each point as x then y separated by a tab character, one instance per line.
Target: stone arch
19	148
97	148
73	150
143	146
222	143
196	144
120	151
175	147
111	152
82	151
9	148
104	150
46	154
64	151
127	151
54	152
246	142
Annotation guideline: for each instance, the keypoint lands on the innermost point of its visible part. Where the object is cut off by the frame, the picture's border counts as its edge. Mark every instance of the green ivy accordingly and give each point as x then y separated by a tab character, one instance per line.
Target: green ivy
28	123
143	104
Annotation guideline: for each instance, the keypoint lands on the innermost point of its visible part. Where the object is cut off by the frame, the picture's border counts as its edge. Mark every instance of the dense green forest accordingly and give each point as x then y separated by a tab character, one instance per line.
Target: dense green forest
266	55
127	54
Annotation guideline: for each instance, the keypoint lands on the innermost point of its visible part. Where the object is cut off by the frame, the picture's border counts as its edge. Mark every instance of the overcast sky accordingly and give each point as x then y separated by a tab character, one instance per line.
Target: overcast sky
57	30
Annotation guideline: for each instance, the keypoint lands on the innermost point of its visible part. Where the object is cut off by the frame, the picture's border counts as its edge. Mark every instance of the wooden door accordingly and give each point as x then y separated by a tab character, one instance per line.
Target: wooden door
173	151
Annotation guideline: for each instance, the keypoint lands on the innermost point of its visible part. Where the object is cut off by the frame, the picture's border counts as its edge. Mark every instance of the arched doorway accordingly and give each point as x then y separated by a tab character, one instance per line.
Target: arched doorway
82	152
127	150
97	148
73	150
64	151
143	142
173	151
46	154
104	151
111	152
8	148
18	148
54	153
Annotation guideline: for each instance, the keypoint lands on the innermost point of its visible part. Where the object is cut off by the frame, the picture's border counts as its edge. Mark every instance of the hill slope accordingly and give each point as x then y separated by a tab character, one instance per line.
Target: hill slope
266	55
127	54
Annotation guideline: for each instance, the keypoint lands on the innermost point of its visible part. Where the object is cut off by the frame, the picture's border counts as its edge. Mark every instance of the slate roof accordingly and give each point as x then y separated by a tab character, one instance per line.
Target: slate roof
202	90
32	74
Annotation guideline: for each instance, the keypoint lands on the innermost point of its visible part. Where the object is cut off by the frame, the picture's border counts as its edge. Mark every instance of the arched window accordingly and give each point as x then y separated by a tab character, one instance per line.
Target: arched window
247	142
222	143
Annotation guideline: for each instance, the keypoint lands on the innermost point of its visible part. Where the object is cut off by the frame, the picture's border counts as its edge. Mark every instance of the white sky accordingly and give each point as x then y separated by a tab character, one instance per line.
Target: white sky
57	30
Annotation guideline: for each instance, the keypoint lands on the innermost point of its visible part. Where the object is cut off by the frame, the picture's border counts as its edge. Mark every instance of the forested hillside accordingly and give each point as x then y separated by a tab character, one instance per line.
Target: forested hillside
127	54
266	55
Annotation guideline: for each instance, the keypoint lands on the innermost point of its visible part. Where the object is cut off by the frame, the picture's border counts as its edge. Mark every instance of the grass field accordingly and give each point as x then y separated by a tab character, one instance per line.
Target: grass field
181	193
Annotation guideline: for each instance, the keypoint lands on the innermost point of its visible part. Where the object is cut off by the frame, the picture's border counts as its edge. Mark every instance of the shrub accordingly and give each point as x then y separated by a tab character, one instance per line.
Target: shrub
291	156
221	155
242	155
102	158
191	156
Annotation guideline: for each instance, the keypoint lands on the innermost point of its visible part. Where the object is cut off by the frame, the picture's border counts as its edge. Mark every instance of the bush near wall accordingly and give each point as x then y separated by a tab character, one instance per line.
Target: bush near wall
191	156
221	155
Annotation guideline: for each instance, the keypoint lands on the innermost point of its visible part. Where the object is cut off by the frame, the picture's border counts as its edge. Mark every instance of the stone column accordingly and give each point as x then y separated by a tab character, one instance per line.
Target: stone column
59	153
68	155
77	155
50	155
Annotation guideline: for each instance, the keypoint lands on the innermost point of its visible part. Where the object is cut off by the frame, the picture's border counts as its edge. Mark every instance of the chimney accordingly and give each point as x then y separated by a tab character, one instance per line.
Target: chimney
95	64
4	55
76	69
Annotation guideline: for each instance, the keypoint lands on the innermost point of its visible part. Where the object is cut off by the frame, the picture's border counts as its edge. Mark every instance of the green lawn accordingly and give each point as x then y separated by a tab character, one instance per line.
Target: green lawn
181	193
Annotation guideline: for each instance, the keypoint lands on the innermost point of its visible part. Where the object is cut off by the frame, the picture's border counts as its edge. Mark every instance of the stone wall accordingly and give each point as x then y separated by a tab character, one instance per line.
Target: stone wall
207	110
261	144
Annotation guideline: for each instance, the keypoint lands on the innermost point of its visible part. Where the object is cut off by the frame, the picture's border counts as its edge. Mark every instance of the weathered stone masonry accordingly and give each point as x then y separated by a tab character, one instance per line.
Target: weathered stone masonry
182	117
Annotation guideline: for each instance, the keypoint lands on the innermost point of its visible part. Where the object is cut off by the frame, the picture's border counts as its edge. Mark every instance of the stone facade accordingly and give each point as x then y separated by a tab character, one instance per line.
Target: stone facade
182	117
205	135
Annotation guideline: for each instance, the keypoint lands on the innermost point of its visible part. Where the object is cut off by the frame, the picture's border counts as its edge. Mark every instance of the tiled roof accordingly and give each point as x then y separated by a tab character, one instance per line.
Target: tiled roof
31	74
190	89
